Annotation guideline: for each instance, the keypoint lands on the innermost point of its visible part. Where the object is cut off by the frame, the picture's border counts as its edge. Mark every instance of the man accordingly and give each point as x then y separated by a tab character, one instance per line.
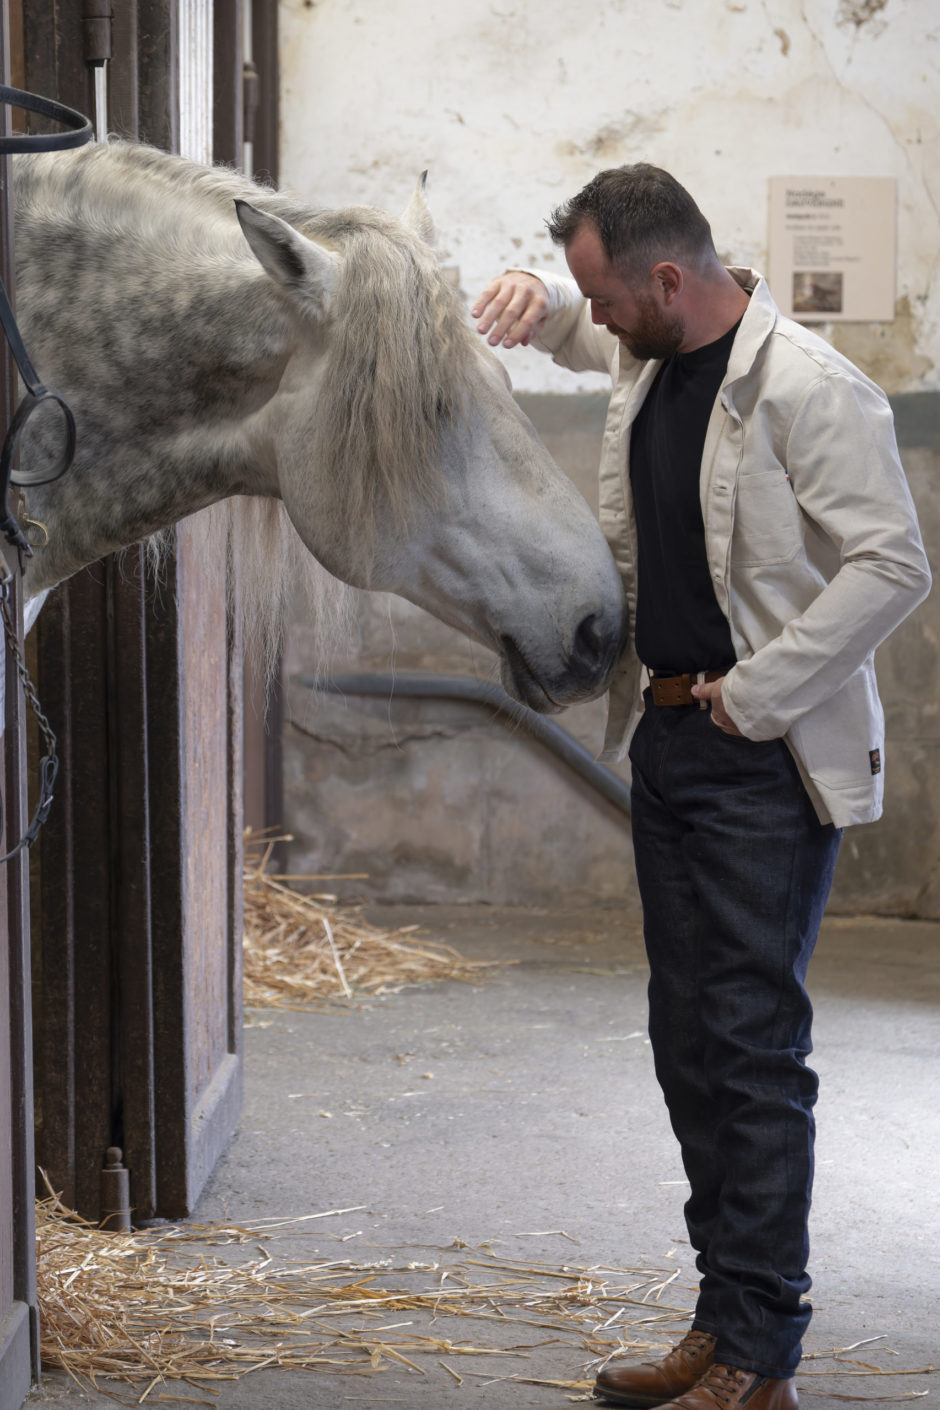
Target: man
754	501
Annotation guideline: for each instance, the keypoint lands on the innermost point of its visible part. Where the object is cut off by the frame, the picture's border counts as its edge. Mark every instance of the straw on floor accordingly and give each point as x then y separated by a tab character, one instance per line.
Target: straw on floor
303	949
179	1304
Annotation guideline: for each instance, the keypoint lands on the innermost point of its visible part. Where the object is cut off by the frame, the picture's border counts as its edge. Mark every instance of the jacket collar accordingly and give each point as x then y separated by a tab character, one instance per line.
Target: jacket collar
759	320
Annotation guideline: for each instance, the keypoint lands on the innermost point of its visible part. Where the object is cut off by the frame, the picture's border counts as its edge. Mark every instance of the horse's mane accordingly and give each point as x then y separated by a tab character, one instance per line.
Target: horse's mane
399	338
401	344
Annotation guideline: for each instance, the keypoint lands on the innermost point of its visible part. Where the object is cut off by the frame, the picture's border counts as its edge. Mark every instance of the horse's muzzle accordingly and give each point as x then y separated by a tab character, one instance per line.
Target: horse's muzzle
595	651
584	674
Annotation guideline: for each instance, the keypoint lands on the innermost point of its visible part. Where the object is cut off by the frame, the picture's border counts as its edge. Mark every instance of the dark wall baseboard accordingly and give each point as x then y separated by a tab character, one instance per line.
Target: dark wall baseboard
916	414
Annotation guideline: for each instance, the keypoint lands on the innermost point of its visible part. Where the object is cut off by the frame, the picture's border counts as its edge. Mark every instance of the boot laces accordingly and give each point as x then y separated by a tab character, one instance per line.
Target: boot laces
695	1342
724	1382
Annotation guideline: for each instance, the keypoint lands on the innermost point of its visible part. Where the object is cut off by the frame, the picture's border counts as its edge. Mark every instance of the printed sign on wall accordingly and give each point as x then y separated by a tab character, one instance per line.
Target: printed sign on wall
832	247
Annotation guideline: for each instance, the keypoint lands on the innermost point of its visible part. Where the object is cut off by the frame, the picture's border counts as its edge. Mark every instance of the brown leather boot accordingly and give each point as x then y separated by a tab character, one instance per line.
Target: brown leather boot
728	1388
656	1383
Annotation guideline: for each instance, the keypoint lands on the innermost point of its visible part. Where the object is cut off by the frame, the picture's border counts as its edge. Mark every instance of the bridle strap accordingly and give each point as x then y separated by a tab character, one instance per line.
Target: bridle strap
17	346
80	133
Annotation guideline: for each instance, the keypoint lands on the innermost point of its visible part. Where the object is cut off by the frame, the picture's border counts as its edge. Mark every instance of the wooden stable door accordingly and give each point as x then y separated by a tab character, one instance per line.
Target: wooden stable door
140	916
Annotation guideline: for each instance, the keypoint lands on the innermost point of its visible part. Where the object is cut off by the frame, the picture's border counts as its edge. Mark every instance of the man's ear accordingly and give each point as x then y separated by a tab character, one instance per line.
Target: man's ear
669	278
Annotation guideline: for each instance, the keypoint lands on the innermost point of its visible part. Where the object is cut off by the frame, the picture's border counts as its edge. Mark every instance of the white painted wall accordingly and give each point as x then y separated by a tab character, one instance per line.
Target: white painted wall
514	104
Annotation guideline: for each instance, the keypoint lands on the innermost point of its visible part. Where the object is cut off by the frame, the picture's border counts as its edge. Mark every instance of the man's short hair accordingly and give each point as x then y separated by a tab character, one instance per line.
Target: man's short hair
642	215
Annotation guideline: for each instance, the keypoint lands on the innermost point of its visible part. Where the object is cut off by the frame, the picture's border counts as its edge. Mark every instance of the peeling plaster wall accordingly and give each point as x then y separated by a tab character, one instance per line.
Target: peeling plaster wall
513	106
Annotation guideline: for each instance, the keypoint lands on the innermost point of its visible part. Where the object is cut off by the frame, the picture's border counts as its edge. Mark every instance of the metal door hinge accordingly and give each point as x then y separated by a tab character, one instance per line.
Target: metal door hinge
96	29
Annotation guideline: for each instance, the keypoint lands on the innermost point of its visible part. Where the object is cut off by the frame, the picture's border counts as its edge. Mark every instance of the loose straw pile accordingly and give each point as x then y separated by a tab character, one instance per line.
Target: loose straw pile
147	1308
308	951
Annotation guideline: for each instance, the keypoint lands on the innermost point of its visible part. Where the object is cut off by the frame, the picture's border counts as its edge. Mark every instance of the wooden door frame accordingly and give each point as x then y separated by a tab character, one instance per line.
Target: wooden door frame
19	1330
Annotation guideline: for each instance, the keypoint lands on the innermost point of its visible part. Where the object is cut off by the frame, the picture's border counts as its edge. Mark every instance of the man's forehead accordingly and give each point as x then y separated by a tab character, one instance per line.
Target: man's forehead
590	265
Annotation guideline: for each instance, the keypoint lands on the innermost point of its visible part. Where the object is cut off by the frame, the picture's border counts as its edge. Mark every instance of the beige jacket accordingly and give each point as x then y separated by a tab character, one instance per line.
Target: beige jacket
810	531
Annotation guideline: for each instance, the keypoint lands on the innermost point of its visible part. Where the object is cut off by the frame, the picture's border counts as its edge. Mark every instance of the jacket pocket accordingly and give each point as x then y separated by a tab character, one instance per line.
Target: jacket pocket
766	527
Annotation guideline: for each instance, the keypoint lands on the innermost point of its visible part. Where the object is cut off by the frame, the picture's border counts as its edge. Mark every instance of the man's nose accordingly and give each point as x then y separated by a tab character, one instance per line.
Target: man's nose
598	315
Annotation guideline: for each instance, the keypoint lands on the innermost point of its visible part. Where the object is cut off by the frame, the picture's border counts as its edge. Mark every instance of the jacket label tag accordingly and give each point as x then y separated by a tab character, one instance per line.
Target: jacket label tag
874	756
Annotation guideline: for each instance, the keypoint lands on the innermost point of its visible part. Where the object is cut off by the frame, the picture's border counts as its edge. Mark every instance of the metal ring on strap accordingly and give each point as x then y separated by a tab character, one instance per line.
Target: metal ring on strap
36	396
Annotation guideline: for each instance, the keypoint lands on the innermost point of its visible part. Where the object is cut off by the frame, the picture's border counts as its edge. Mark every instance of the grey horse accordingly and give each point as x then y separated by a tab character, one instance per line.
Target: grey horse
217	339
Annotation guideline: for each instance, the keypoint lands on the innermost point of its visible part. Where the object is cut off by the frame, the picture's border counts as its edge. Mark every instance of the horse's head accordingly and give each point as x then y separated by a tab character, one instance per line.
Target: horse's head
405	465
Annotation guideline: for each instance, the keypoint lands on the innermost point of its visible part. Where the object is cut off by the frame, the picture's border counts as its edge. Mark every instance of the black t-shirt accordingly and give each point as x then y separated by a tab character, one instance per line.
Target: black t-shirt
679	625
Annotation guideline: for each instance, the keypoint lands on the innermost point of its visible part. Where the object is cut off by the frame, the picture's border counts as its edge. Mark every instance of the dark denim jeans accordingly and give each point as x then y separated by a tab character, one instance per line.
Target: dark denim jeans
734	871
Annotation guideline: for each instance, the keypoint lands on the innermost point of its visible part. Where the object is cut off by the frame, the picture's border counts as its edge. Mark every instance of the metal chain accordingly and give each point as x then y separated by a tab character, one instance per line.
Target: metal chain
49	764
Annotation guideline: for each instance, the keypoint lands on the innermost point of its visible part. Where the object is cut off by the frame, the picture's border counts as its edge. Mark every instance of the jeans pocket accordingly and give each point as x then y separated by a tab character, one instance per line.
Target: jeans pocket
741	744
737	738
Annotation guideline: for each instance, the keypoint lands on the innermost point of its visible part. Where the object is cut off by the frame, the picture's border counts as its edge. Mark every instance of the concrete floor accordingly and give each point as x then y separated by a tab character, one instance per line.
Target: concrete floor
502	1114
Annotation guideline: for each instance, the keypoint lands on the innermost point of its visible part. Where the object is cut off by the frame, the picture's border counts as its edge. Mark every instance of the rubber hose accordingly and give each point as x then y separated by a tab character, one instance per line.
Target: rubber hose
420	685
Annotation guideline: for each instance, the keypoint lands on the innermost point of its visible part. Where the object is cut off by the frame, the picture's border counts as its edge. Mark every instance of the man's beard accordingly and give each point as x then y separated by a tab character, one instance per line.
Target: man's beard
653	335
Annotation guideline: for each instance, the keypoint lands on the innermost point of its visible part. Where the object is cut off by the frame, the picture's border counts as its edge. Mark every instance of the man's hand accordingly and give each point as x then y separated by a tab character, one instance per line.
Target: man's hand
511	309
711	691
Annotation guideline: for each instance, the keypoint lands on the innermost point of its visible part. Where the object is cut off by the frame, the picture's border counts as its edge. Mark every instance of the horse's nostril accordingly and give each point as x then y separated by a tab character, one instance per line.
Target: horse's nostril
588	645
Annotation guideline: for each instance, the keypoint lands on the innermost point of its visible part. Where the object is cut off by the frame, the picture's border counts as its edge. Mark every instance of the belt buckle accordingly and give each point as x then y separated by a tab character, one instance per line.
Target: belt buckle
671	690
677	690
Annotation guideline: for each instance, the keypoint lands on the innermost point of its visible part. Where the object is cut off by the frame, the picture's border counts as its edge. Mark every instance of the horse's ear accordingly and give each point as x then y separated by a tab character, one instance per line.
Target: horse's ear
299	264
416	214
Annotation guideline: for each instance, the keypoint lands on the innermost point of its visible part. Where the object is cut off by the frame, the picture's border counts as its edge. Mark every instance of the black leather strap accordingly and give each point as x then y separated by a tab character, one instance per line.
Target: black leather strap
17	346
80	132
36	395
81	128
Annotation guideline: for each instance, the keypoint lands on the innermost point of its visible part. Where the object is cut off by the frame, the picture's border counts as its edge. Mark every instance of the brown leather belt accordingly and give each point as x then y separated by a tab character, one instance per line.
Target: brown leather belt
677	690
